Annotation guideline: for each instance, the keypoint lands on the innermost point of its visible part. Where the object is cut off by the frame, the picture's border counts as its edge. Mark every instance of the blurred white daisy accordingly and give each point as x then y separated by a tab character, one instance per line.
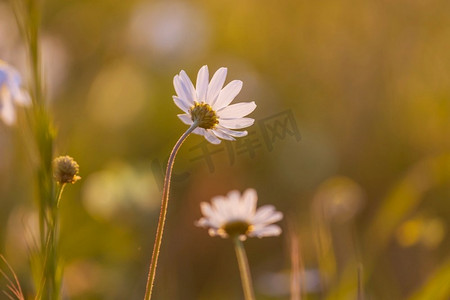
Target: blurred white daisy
208	105
234	214
11	93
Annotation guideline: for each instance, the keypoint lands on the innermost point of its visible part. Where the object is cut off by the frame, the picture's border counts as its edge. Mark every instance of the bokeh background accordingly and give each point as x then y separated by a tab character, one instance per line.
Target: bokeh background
365	189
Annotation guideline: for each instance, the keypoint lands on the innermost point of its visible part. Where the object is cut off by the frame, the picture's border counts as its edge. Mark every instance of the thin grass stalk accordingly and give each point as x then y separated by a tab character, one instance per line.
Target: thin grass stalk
13	286
360	282
44	135
163	212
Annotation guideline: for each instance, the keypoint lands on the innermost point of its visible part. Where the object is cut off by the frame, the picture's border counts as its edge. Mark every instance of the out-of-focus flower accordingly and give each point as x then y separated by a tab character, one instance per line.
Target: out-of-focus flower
339	198
9	33
83	277
66	170
118	80
208	105
167	32
55	64
427	231
234	214
118	191
11	93
276	284
21	231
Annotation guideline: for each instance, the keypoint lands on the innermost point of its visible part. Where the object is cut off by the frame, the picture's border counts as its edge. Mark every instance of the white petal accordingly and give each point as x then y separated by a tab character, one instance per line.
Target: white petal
178	86
202	83
199	130
227	207
205	223
237	123
274	217
206	209
7	111
22	97
17	93
185	118
238	110
213	216
249	199
228	94
222	135
232	132
220	205
181	90
210	137
15	79
263	213
272	230
182	104
188	85
234	195
202	223
234	204
216	85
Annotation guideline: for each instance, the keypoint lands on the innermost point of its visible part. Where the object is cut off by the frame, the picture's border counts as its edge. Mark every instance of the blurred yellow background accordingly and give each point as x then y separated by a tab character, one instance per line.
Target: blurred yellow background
365	83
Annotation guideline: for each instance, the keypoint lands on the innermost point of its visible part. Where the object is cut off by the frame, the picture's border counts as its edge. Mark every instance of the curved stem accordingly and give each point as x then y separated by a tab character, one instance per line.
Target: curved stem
163	212
244	269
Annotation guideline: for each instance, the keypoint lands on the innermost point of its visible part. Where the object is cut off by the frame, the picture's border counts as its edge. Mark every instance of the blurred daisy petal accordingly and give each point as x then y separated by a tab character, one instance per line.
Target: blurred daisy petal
271	230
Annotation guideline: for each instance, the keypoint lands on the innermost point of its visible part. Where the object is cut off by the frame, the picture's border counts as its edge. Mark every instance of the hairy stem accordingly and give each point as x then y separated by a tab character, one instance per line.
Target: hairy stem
163	212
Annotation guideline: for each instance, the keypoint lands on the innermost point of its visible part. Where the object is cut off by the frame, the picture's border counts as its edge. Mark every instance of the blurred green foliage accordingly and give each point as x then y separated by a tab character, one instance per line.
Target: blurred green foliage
368	184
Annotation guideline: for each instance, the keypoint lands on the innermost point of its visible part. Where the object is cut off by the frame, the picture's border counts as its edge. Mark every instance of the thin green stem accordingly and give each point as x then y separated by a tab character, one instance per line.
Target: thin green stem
59	194
28	15
244	269
52	247
163	212
44	137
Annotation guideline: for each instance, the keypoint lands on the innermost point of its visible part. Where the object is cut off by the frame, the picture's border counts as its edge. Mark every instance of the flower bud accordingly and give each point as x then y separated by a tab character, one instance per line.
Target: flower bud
65	170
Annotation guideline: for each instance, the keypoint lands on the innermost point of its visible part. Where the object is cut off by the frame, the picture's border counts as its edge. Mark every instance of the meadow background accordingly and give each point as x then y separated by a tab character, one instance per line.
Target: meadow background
365	188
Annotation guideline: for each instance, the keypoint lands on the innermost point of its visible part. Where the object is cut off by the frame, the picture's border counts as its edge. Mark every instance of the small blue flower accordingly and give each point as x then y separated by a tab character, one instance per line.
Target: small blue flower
11	93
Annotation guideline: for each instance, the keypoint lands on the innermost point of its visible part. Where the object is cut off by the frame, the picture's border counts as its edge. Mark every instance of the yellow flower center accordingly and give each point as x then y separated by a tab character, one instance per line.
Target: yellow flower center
204	115
237	227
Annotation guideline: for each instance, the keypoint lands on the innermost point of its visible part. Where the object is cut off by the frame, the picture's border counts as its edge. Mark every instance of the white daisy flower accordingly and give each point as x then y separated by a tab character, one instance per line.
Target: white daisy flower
237	215
208	105
11	93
